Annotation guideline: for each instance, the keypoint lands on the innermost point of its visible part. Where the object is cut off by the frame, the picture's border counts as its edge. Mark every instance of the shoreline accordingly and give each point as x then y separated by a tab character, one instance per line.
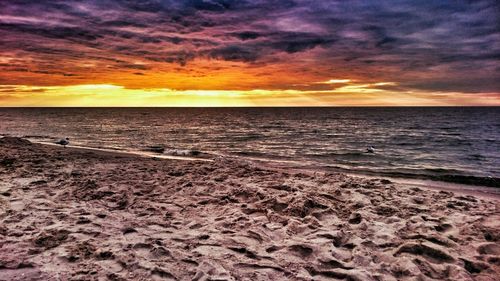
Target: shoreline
452	181
143	154
77	214
470	189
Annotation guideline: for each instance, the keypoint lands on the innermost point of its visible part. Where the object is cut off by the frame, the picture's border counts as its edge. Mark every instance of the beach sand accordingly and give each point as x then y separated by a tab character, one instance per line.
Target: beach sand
73	214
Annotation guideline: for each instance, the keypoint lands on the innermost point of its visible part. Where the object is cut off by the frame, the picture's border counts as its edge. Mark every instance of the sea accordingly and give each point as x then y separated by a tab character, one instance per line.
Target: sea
453	144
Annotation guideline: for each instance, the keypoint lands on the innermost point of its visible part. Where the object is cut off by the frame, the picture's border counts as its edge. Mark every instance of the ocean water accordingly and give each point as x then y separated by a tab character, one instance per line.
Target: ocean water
458	144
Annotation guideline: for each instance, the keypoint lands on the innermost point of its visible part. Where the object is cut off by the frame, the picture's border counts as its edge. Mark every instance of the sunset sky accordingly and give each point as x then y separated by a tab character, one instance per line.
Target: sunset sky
249	53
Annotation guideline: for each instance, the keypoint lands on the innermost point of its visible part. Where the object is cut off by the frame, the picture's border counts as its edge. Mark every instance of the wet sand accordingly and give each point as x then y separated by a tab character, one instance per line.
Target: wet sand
74	214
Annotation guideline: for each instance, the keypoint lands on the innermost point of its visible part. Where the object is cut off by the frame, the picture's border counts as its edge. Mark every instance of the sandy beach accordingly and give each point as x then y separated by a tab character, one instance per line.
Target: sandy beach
73	214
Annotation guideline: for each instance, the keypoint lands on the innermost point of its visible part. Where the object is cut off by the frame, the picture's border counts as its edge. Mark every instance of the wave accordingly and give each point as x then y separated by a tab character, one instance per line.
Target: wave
160	149
250	153
183	152
348	155
434	174
247	137
444	176
453	178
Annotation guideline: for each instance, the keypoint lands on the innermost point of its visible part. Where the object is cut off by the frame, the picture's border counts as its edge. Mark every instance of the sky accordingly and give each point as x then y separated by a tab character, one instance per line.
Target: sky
249	53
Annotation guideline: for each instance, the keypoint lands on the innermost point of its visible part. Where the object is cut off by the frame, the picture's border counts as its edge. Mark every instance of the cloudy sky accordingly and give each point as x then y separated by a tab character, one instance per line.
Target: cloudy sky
249	52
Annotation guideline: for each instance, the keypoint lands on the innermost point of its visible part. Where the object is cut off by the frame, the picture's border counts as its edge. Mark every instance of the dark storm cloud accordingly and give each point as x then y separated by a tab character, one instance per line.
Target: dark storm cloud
246	35
456	43
467	85
235	53
180	57
298	42
214	5
276	42
123	23
52	32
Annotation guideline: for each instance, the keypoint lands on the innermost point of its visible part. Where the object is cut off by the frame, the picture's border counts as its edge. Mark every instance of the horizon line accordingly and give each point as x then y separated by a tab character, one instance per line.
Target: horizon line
274	106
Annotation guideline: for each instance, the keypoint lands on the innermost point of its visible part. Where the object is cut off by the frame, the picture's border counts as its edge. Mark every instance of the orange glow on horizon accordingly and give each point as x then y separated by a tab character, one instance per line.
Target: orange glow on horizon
352	94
